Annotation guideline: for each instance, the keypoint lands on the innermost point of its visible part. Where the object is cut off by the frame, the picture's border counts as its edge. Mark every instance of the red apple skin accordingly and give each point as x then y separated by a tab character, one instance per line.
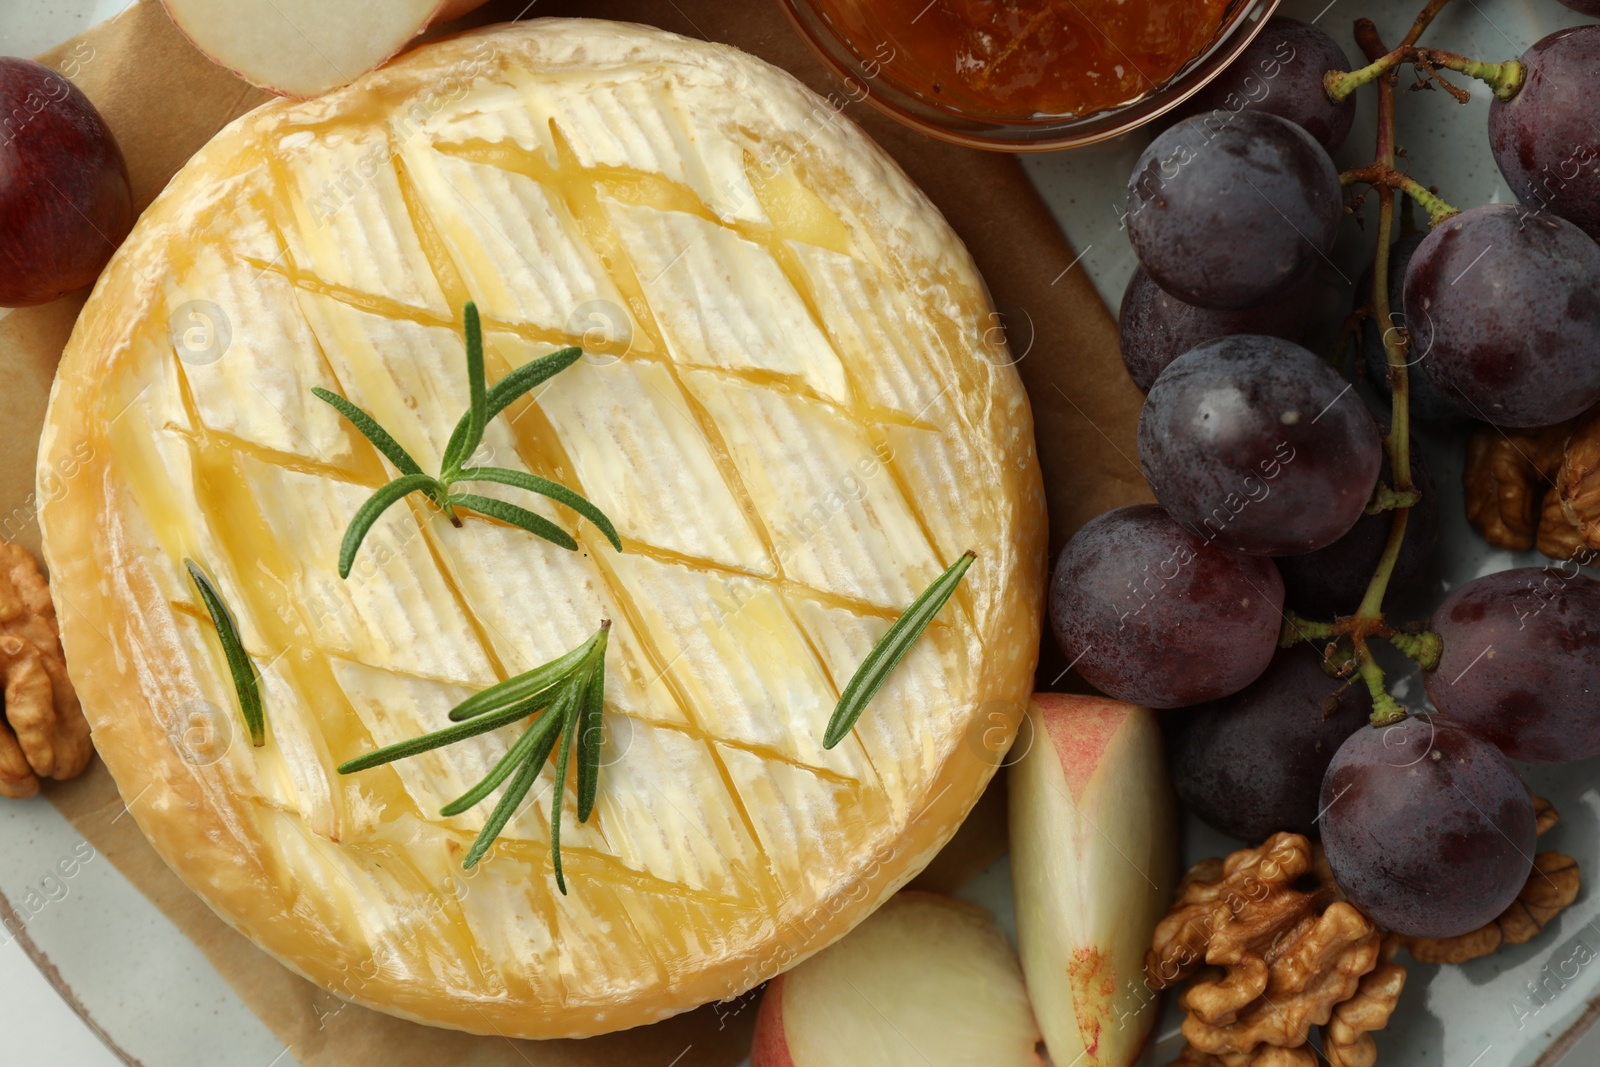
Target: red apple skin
65	199
771	1048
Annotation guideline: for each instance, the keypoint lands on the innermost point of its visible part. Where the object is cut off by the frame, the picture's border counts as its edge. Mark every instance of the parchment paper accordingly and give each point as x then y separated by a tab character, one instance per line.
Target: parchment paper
164	100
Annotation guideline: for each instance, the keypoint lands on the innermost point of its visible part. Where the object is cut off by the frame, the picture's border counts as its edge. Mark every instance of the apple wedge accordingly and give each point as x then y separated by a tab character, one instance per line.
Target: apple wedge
304	48
1094	855
927	981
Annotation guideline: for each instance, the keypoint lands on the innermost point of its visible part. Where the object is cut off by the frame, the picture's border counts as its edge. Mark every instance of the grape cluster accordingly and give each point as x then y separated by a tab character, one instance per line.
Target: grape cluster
1245	436
1275	492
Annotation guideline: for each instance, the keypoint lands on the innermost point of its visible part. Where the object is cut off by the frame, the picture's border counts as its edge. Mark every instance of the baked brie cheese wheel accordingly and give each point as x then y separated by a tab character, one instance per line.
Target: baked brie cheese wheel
793	405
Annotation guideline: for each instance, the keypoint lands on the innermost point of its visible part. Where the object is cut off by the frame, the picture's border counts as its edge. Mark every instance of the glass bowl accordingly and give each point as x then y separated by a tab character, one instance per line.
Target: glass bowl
865	78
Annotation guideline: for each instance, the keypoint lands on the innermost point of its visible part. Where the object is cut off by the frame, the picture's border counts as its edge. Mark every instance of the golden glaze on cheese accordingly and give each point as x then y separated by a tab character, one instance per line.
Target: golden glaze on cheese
793	409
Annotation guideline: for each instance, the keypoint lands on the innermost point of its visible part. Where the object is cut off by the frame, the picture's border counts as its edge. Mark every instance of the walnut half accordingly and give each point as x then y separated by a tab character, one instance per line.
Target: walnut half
45	734
1507	477
1577	492
1538	487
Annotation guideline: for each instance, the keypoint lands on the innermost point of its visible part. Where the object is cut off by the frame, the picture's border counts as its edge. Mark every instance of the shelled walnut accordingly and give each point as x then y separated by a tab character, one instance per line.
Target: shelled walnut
1347	1039
44	732
1540	487
1271	949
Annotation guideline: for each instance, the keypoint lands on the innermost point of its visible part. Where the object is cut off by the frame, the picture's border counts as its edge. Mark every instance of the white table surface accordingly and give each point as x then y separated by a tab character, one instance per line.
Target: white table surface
39	1027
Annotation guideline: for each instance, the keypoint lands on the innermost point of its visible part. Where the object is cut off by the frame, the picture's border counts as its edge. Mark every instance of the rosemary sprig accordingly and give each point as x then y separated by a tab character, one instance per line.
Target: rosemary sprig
568	696
890	650
464	441
244	674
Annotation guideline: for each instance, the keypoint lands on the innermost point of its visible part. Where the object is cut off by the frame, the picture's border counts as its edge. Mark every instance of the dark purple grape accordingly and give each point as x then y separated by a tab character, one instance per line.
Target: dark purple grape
1151	614
1521	662
1229	217
65	199
1546	138
1428	829
1588	7
1427	403
1156	327
1252	764
1280	73
1504	307
1258	444
1331	581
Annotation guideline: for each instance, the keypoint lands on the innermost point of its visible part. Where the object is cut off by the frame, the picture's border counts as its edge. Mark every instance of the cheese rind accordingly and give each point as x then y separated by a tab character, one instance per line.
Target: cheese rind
796	423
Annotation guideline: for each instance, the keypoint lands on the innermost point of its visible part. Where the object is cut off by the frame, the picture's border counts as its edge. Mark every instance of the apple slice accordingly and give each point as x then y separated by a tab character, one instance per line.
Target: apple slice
303	48
1094	854
927	981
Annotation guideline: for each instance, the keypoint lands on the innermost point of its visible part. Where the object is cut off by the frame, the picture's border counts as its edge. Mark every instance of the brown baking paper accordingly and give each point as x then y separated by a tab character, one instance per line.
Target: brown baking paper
164	100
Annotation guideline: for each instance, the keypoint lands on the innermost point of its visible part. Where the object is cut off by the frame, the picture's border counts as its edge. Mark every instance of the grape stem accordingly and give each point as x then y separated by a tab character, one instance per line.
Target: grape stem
1423	646
1414	34
1377	175
1504	78
1368	621
1385	708
1369	616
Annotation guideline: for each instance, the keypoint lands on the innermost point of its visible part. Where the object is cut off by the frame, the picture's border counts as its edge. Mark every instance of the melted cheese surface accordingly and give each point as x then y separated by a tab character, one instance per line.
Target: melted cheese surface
790	405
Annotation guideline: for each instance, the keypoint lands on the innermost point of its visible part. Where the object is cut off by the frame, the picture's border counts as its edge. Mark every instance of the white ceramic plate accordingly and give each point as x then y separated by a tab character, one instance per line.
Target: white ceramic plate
154	999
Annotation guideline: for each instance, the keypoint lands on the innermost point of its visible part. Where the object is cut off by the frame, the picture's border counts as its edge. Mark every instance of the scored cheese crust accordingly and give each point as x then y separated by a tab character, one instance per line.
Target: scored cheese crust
795	406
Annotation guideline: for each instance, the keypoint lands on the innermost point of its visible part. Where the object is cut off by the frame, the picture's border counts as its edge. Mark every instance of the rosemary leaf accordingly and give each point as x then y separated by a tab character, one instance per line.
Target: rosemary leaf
371	431
541	755
524	686
485	404
376	505
563	755
570	691
533	373
244	673
545	487
515	756
516	516
462	446
591	731
448	735
503	392
890	650
510	801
